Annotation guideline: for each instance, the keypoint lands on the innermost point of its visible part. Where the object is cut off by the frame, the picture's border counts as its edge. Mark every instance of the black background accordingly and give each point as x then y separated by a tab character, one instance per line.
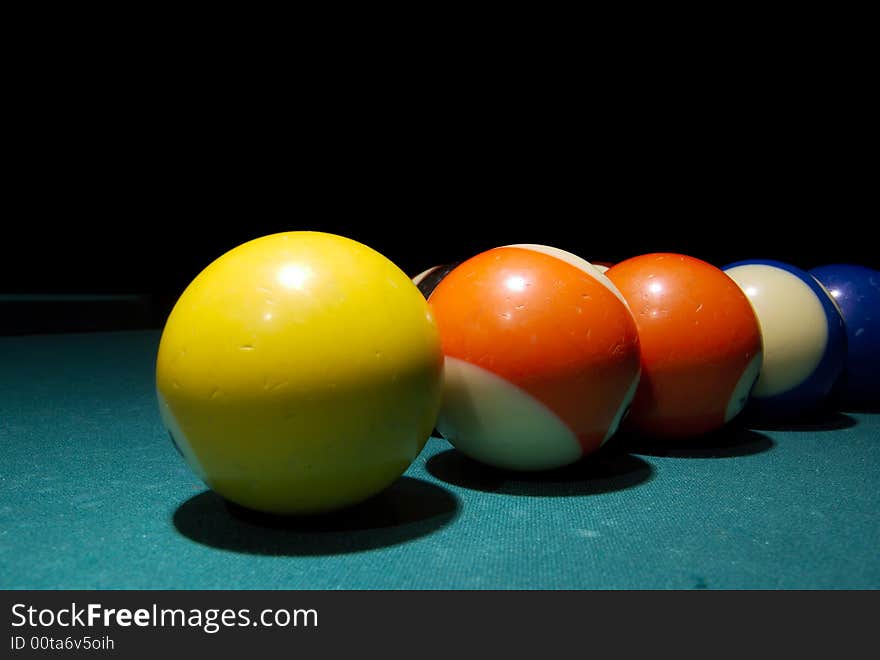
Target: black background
150	229
132	178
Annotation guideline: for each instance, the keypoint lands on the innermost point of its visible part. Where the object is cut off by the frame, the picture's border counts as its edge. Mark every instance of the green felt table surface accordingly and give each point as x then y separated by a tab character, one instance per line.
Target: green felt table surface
93	495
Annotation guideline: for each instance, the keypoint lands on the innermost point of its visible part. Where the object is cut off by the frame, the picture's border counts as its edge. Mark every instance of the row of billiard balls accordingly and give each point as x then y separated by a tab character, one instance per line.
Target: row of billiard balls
303	372
682	348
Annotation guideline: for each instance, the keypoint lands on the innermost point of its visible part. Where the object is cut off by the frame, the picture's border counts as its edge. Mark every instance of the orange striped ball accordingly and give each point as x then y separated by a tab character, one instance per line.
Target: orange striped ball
541	357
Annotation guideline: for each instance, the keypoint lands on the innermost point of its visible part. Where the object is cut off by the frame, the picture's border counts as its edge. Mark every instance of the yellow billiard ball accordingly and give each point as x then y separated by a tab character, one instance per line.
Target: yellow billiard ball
300	373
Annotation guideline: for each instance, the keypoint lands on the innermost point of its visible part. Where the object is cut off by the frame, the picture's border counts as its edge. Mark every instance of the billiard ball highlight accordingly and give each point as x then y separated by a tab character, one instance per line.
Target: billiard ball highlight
700	344
542	357
856	290
300	373
803	332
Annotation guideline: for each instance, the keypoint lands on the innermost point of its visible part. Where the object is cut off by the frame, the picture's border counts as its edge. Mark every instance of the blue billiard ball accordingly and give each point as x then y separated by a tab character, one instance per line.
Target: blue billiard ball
856	290
803	334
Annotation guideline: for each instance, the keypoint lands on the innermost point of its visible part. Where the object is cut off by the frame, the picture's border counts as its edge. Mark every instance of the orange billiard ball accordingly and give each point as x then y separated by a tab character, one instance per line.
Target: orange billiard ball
541	357
700	344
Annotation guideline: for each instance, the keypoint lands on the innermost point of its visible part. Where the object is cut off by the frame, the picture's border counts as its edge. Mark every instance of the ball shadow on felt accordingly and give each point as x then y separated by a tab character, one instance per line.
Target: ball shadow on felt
728	442
605	471
820	419
408	509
